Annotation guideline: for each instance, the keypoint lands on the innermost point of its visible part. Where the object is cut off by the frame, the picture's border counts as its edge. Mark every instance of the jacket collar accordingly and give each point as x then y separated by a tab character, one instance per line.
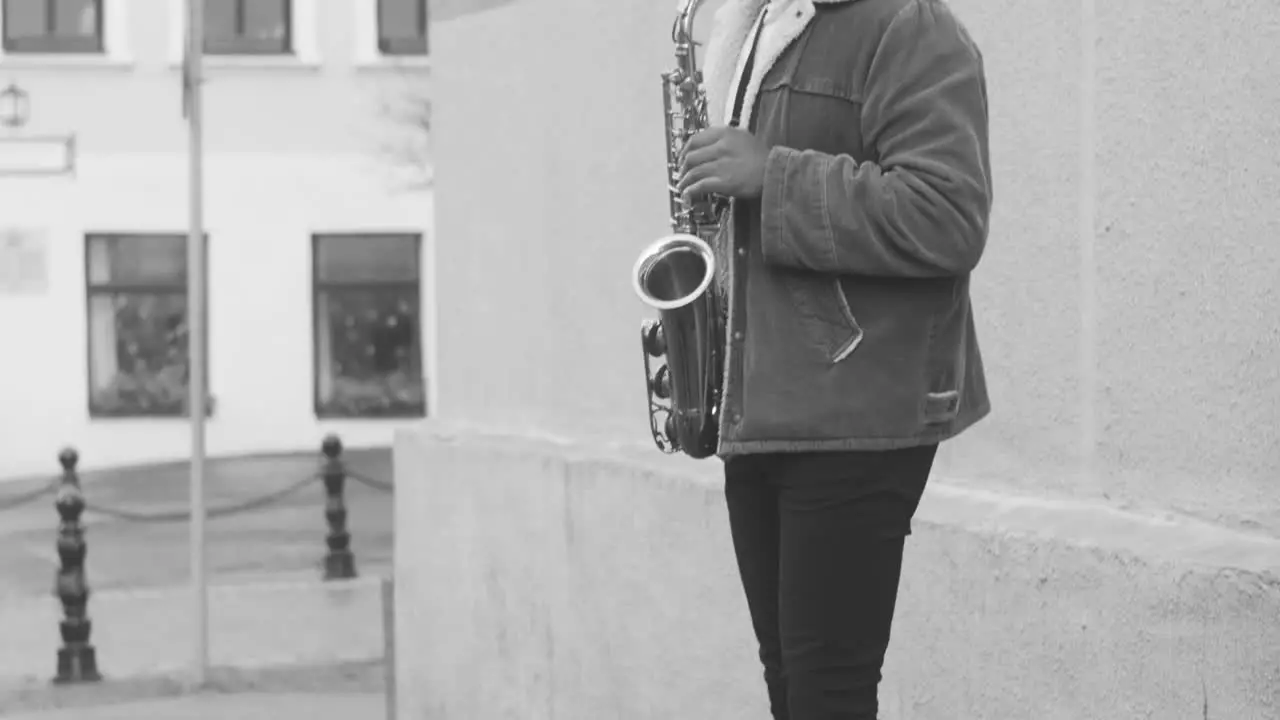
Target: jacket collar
730	29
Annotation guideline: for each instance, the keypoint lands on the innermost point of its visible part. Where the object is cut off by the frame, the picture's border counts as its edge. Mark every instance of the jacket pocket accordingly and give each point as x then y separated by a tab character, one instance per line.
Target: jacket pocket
823	311
813	113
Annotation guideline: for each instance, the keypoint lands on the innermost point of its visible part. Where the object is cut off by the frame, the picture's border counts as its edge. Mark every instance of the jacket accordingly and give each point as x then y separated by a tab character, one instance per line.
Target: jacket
850	325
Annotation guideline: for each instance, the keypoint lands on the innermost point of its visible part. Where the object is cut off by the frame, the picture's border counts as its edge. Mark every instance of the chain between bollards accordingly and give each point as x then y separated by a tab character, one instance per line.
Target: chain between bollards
77	659
339	563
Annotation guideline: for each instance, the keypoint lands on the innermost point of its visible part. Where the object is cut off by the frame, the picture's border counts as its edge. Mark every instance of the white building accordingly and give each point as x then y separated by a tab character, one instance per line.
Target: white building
315	211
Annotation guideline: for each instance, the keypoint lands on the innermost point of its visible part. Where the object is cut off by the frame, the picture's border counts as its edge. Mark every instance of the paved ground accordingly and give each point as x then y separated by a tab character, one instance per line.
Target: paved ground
306	635
326	680
254	706
148	632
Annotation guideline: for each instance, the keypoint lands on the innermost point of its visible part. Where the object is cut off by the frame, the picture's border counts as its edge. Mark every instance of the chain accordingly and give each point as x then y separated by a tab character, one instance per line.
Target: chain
180	515
376	484
27	497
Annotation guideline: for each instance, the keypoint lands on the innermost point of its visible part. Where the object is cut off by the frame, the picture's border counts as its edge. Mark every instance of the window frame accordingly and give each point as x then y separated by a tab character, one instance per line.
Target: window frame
390	287
304	33
241	46
387	47
53	44
92	290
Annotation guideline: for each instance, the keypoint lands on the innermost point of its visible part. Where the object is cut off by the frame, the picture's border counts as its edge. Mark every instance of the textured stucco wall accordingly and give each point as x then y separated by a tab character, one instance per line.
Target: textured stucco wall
1189	176
1182	148
1144	135
538	579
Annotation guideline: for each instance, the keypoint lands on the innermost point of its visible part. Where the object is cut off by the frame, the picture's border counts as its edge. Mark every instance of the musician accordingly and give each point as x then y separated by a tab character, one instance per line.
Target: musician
861	188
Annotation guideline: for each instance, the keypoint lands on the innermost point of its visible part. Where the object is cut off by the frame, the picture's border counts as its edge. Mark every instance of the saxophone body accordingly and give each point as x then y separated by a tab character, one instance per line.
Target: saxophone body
683	348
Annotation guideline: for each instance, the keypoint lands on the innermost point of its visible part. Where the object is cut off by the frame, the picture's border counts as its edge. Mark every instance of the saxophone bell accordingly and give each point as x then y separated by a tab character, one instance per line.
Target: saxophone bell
673	276
674	271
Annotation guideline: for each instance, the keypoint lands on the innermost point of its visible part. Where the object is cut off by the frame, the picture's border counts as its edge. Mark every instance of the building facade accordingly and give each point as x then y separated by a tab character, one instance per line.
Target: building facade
316	209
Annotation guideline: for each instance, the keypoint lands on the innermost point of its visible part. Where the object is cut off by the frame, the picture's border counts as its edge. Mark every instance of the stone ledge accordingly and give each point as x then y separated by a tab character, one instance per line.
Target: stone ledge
566	579
1164	537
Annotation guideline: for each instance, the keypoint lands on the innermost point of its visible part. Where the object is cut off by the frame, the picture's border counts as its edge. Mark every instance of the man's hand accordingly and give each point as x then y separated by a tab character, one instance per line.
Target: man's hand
726	161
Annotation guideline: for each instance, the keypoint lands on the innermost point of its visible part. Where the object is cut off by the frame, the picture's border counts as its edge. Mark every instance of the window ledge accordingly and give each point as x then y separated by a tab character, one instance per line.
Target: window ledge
284	63
106	415
55	61
371	416
127	417
395	63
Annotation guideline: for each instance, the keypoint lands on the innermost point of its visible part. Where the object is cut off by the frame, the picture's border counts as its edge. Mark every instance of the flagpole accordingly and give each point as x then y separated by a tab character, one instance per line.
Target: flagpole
196	316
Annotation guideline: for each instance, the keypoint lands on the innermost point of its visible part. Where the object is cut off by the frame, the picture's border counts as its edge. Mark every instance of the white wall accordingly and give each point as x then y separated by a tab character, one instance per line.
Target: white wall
1126	303
563	580
260	212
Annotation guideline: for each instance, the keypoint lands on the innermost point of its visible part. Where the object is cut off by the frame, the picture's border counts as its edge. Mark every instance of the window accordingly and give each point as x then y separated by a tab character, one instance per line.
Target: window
137	294
53	26
248	27
367	324
402	27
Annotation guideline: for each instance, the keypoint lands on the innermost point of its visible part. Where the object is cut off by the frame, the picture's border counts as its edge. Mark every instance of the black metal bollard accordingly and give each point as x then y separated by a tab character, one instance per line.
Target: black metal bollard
77	659
339	563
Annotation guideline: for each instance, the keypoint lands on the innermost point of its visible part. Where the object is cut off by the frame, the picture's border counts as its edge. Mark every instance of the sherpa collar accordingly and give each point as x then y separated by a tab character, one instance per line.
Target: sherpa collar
731	26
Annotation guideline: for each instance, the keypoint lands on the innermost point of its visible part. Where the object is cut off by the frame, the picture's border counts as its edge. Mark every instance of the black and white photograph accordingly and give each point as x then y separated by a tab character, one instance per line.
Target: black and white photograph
326	323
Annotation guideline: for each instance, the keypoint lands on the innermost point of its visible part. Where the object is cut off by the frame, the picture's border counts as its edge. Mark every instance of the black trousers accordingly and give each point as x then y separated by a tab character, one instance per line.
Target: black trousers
819	539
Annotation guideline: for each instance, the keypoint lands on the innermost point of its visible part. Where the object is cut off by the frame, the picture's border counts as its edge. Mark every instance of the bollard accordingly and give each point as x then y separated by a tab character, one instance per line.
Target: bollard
339	563
77	659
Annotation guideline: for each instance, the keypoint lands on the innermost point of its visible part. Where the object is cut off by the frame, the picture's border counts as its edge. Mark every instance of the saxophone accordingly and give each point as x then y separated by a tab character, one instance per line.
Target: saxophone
674	276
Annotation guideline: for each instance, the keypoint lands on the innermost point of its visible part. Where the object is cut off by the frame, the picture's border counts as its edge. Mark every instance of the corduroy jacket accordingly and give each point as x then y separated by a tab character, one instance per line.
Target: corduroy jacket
850	325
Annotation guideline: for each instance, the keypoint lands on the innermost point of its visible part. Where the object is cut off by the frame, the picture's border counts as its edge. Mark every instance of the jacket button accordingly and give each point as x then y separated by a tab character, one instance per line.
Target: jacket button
742	252
737	335
736	417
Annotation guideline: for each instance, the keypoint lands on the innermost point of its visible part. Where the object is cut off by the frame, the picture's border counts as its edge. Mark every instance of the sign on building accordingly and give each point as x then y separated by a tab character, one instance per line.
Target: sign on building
24	261
40	156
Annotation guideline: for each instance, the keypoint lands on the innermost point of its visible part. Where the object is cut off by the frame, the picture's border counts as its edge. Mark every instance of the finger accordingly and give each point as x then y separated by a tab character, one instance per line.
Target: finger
708	175
696	174
701	156
705	186
701	139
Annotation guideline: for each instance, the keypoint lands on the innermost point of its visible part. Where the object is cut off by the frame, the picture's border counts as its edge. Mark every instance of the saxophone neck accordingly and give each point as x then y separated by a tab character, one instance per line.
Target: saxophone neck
683	32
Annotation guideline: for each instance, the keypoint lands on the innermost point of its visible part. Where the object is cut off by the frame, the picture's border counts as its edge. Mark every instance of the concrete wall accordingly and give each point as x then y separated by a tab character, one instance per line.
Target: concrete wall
1105	545
538	578
1127	304
293	146
1129	300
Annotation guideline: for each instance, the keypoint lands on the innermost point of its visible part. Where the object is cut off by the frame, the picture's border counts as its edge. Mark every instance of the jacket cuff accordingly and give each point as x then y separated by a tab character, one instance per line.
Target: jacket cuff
792	209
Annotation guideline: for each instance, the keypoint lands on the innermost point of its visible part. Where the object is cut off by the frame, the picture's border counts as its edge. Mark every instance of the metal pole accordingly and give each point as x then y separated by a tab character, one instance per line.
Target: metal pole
388	586
196	316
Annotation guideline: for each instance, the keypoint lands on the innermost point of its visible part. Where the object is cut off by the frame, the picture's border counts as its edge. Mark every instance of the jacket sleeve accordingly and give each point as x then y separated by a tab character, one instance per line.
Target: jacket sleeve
921	210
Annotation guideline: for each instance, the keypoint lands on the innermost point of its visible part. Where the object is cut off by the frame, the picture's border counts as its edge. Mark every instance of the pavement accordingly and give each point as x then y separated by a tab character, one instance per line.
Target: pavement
250	706
139	633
